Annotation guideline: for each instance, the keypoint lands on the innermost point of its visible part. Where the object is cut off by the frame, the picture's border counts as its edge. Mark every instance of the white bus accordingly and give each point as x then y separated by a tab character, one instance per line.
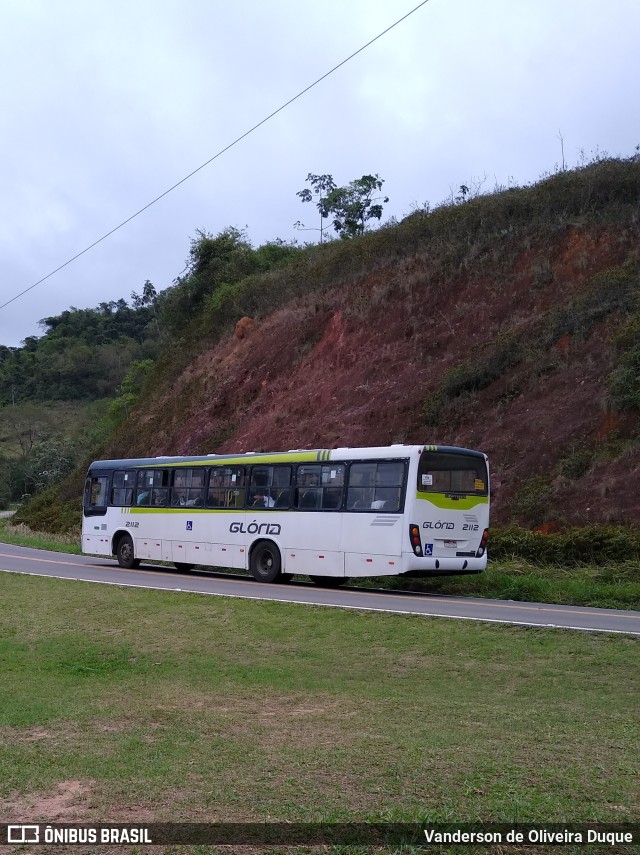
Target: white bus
412	510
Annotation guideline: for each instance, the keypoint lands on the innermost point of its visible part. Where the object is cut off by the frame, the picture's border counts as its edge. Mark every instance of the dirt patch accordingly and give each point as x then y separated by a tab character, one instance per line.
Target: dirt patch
37	734
67	803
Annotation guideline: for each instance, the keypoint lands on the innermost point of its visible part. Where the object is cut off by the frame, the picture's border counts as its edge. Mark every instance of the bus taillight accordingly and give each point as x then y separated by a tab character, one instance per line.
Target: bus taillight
483	543
414	535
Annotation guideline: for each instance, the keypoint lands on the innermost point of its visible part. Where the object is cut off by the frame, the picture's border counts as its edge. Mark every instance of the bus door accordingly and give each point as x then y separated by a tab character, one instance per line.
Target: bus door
373	530
95	531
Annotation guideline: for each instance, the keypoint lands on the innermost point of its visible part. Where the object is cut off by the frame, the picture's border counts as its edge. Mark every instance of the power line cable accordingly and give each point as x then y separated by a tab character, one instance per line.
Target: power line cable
215	157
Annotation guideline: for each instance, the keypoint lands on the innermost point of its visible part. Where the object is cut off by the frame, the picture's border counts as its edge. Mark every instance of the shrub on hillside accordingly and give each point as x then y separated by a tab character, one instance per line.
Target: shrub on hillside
45	511
587	545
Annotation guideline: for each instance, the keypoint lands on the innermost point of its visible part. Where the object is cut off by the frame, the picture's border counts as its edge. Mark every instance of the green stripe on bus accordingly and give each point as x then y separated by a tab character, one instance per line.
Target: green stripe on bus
239	460
161	510
182	510
462	504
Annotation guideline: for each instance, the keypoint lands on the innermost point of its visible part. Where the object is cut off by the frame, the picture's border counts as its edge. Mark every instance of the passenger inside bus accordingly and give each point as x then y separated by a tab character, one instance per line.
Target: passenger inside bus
262	499
284	498
309	490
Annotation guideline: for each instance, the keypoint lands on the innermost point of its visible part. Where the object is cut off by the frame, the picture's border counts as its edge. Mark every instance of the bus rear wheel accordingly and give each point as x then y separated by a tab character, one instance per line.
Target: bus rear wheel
329	581
125	553
266	562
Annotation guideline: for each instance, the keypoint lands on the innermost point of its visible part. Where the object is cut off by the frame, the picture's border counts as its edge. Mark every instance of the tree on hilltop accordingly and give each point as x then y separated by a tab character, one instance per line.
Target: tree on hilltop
321	187
351	207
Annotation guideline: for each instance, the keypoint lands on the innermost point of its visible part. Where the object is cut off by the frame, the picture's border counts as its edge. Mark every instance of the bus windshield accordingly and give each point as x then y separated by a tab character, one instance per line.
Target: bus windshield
442	472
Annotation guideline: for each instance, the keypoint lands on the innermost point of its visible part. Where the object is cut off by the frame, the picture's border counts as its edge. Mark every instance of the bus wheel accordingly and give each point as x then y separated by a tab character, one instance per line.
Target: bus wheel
329	581
266	562
184	568
125	553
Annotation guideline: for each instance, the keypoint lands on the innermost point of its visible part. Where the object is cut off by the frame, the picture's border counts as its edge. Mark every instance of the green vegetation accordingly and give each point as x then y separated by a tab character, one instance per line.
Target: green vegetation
351	207
572	548
40	444
96	363
215	263
21	535
597	566
624	381
53	510
531	502
174	707
55	390
611	585
82	355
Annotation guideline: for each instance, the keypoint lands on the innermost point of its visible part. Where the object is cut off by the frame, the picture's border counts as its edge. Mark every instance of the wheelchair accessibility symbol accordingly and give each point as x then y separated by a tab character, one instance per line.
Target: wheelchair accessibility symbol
189	525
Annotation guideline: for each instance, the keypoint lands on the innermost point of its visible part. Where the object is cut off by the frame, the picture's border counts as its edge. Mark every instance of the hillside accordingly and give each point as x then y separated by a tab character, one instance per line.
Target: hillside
508	323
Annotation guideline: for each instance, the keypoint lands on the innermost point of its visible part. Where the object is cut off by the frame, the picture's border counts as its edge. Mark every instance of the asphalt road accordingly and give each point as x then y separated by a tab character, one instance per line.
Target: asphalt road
36	562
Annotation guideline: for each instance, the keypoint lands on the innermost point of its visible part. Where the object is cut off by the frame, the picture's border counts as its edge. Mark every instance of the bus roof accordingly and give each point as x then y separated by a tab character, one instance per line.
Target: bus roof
388	452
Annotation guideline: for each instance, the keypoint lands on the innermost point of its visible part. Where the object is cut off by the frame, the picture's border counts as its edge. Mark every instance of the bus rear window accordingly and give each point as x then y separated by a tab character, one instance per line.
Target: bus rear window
440	472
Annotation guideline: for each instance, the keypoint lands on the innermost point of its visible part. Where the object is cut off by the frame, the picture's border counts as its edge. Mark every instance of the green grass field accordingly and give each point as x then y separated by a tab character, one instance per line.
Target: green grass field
128	705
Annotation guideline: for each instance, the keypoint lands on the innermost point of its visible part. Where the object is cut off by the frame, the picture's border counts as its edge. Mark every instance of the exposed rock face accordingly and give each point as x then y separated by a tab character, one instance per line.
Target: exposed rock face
244	327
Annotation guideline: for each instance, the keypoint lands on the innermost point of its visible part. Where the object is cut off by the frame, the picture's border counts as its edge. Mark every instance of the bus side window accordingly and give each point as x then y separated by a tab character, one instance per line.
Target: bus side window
332	486
388	490
153	487
122	487
319	487
95	495
360	491
226	487
188	487
375	486
308	492
268	485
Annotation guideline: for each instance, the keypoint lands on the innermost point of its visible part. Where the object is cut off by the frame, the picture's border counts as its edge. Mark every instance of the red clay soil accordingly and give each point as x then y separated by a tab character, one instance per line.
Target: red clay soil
354	366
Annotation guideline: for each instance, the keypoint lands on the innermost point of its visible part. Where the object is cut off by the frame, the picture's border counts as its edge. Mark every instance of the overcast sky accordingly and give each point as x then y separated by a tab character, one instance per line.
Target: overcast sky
105	104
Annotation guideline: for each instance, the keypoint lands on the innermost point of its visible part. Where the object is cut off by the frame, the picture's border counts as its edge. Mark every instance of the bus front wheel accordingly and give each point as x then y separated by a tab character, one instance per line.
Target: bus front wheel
266	562
329	581
125	553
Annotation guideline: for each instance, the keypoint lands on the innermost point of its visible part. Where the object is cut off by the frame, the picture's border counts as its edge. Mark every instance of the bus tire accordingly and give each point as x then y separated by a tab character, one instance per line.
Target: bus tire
329	581
266	563
184	568
126	554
